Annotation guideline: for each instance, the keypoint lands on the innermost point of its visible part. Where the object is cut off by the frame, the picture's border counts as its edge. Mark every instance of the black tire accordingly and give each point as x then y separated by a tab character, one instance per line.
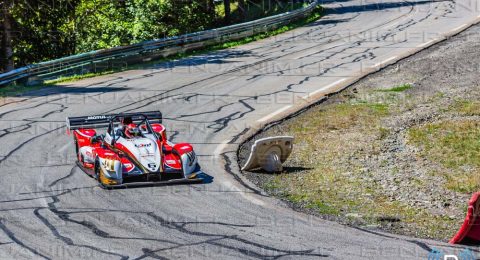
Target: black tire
77	149
97	170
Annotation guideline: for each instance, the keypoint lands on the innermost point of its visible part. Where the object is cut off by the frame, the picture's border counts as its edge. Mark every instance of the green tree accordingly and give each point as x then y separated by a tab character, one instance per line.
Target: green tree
39	30
7	48
102	24
44	30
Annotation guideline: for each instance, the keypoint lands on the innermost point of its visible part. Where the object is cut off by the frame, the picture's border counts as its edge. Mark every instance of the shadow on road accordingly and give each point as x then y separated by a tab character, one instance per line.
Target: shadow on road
118	82
374	7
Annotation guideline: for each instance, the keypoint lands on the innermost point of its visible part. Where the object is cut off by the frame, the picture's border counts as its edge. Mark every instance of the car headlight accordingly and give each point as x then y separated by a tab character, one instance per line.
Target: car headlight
109	164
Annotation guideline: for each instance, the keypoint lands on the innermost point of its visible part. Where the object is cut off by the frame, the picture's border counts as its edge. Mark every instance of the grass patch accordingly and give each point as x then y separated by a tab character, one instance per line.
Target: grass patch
16	89
342	116
466	107
76	77
326	188
335	140
455	145
399	88
323	208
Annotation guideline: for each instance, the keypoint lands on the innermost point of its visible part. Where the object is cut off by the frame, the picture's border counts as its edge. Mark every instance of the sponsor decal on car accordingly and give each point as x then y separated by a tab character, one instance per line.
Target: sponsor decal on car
152	166
96	117
143	145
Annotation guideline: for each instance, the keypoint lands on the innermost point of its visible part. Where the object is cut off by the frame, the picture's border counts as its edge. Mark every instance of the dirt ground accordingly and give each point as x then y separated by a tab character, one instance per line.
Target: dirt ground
397	151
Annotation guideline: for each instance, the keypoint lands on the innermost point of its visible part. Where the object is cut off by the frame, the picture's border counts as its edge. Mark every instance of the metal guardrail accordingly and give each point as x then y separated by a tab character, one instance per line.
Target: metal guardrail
103	59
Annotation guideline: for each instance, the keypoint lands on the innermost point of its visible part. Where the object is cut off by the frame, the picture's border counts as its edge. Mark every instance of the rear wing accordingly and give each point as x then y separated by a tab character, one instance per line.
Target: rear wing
100	121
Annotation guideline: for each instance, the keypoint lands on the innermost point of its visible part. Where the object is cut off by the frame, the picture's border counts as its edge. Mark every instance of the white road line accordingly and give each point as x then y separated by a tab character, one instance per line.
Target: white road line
325	88
461	27
220	148
263	119
385	61
242	191
425	44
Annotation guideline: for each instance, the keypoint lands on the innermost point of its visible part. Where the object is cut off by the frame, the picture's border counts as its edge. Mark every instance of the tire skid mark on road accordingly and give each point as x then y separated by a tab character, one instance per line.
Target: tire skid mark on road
30	107
124	80
7	131
237	136
228	169
364	55
236	238
70	174
341	38
65	216
17	241
68	240
223	122
367	53
179	226
5	157
236	69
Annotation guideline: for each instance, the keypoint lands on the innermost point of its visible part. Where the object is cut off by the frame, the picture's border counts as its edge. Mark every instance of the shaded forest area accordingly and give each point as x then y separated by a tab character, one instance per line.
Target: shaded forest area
40	30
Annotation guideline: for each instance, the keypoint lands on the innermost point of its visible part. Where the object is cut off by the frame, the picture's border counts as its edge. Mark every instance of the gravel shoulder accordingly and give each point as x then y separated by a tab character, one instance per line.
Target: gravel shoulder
397	151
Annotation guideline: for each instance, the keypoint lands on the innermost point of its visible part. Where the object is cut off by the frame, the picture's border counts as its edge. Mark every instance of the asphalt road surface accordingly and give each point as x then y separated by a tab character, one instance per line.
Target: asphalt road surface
50	209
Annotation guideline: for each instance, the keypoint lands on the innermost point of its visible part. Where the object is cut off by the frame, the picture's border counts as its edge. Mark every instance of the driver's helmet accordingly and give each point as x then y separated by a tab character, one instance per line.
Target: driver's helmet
126	120
131	130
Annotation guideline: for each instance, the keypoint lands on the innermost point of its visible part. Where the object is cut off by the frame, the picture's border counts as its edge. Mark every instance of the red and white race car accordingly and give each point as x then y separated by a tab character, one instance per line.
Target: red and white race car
134	151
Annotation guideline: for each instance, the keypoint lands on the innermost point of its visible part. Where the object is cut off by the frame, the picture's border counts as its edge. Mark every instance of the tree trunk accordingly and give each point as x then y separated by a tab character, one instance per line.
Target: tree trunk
7	50
210	8
226	6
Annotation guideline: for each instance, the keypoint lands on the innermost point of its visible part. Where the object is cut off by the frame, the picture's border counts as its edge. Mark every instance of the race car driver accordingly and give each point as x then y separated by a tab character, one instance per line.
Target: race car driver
121	128
132	131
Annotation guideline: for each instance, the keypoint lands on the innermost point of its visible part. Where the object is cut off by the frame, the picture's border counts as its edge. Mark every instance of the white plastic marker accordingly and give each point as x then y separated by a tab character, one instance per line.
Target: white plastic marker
325	88
385	61
263	119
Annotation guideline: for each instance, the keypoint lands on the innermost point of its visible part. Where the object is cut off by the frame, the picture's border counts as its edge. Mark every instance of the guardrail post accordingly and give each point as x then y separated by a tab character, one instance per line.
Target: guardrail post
33	80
